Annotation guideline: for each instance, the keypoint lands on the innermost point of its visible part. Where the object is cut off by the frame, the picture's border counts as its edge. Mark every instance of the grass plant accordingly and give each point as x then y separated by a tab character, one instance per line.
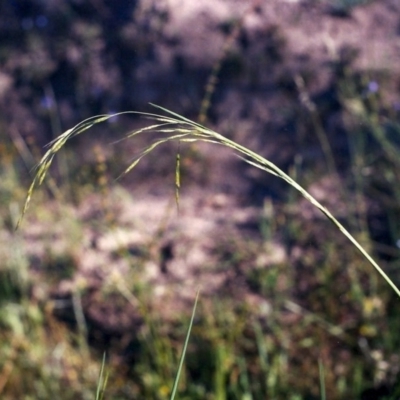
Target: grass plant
182	130
247	363
244	353
334	339
102	382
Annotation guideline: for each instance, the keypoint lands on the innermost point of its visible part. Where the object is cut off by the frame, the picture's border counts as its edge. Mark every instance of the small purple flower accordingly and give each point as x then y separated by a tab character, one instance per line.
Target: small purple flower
373	86
47	102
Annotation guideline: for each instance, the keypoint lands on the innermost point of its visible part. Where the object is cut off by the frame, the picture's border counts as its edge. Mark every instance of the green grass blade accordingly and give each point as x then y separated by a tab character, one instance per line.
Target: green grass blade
322	379
178	374
102	381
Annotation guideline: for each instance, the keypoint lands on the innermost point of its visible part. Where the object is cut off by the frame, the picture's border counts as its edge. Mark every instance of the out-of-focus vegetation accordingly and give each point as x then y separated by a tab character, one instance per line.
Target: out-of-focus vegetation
295	296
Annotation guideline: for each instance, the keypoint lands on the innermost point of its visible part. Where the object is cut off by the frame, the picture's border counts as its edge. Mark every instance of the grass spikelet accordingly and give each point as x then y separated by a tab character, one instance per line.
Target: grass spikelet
176	128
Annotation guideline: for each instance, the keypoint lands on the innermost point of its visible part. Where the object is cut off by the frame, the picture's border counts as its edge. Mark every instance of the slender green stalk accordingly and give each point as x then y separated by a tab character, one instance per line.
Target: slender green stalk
322	379
178	128
182	359
102	382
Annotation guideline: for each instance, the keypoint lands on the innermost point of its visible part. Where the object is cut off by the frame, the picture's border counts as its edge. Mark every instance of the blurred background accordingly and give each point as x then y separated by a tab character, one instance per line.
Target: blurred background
104	264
